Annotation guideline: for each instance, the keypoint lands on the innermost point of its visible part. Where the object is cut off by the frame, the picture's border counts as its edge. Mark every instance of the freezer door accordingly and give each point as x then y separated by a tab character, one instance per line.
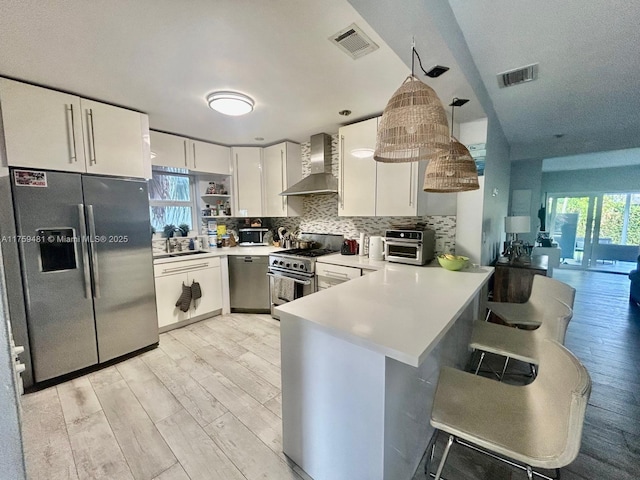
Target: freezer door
55	271
122	264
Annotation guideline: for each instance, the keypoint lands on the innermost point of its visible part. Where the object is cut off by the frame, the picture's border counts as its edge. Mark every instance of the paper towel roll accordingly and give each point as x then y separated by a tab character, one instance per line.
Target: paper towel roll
361	245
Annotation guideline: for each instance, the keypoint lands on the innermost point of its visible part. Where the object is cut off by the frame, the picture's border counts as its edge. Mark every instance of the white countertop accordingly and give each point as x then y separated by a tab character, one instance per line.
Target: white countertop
219	252
401	311
352	261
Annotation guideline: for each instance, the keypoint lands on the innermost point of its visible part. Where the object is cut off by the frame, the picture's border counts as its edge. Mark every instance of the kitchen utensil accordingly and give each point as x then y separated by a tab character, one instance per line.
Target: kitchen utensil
347	248
376	248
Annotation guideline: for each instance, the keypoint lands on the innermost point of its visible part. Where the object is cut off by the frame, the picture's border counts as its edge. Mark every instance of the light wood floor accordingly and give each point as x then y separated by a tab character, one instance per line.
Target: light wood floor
206	404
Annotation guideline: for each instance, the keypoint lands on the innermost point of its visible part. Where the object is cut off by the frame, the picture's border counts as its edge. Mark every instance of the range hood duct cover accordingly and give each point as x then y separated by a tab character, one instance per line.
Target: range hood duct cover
321	180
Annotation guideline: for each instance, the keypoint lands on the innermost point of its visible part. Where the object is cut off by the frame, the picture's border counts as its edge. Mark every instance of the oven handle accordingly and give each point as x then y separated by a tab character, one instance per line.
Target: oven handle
303	282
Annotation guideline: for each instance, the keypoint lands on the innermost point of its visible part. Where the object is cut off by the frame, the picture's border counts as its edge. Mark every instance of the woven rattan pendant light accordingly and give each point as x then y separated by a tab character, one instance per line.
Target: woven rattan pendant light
414	124
454	171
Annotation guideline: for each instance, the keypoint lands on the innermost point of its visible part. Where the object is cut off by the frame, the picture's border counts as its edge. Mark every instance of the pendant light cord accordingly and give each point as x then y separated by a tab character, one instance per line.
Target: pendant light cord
414	54
452	109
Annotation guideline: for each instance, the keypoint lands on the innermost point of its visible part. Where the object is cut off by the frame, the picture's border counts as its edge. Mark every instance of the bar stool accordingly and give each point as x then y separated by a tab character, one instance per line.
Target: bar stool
530	313
522	345
538	425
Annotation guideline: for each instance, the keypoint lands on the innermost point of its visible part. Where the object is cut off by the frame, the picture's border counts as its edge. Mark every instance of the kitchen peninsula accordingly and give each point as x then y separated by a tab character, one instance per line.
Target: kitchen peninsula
360	363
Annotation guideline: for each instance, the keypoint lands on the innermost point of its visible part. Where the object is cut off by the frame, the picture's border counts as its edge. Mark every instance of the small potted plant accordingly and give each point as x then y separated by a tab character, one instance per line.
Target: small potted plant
169	230
183	228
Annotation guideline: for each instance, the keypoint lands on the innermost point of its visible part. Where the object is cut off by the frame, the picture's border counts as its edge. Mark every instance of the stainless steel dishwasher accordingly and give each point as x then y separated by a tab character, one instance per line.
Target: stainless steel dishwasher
249	284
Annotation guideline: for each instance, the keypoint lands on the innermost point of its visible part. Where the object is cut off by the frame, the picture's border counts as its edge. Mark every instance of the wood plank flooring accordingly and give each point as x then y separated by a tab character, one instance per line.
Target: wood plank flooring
206	404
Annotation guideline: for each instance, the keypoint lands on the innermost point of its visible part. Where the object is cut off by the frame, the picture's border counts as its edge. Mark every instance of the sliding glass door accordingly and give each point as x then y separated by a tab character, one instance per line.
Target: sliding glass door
597	231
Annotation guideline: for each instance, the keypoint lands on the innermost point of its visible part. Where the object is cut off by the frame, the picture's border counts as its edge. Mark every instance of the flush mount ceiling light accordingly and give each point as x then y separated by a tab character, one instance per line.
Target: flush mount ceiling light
414	124
230	103
454	171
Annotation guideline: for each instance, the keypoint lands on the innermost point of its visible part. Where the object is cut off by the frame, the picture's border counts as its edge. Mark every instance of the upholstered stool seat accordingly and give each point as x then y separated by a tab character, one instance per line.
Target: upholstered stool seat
531	312
537	425
523	345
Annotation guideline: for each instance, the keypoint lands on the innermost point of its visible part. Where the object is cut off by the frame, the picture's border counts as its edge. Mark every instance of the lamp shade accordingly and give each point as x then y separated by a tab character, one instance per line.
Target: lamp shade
454	171
517	224
414	125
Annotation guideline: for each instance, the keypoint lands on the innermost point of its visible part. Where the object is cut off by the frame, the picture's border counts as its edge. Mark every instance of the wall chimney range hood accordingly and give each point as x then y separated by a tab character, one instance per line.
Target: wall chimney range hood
321	181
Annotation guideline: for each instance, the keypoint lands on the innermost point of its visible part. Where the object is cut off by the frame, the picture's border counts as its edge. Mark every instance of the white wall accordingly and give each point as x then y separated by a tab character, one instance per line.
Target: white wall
616	179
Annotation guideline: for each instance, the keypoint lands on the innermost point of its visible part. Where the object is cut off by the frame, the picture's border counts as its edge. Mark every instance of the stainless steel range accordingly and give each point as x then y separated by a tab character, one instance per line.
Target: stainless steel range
292	273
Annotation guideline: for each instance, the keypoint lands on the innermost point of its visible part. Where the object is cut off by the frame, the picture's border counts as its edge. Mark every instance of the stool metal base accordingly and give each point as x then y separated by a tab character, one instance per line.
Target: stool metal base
452	438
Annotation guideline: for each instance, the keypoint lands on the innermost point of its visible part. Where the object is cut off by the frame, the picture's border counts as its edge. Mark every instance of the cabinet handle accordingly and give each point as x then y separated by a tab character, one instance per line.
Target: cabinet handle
341	172
284	181
182	269
237	186
195	164
329	273
186	164
72	136
92	138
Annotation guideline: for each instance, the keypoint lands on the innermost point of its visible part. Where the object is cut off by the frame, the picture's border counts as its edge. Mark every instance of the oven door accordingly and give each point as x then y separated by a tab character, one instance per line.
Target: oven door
285	287
403	252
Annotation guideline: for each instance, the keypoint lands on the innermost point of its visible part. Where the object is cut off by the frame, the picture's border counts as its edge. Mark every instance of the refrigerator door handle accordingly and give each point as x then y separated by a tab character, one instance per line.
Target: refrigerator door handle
94	254
85	253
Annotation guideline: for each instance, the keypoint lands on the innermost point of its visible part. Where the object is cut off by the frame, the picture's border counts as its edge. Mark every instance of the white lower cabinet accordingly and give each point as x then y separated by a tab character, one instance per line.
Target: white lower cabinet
329	275
170	277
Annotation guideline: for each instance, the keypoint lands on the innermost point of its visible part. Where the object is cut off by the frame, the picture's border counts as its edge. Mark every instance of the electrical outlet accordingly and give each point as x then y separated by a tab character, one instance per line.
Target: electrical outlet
440	244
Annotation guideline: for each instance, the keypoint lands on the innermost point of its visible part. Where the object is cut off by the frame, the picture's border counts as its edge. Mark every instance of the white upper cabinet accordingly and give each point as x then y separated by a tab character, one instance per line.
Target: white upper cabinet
42	128
357	179
180	152
282	168
169	150
113	140
247	164
52	130
210	158
370	188
396	189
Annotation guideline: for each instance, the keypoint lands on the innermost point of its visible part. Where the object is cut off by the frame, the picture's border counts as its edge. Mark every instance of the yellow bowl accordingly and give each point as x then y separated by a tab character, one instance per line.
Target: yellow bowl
456	263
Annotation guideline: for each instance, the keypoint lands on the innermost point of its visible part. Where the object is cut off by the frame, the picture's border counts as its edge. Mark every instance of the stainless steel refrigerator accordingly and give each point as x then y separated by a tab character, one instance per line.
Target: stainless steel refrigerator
87	268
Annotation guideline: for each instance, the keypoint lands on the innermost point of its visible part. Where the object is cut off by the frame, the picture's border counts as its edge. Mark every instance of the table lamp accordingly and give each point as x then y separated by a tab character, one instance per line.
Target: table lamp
514	249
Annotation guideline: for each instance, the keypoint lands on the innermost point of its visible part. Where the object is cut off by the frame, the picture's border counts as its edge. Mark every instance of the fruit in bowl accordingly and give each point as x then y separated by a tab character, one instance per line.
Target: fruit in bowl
452	262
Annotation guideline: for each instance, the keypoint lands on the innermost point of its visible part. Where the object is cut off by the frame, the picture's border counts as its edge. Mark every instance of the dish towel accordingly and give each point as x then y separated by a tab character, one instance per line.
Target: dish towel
284	288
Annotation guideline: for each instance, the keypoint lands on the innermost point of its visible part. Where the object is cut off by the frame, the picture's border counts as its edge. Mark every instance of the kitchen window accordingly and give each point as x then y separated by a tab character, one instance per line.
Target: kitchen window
171	199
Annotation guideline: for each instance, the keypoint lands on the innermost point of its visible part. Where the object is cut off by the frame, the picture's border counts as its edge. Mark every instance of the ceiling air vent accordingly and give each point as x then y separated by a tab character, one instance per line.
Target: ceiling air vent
519	75
353	41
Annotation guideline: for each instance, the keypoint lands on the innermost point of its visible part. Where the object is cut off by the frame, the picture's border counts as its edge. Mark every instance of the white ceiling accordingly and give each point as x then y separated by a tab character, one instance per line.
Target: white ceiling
589	57
163	57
